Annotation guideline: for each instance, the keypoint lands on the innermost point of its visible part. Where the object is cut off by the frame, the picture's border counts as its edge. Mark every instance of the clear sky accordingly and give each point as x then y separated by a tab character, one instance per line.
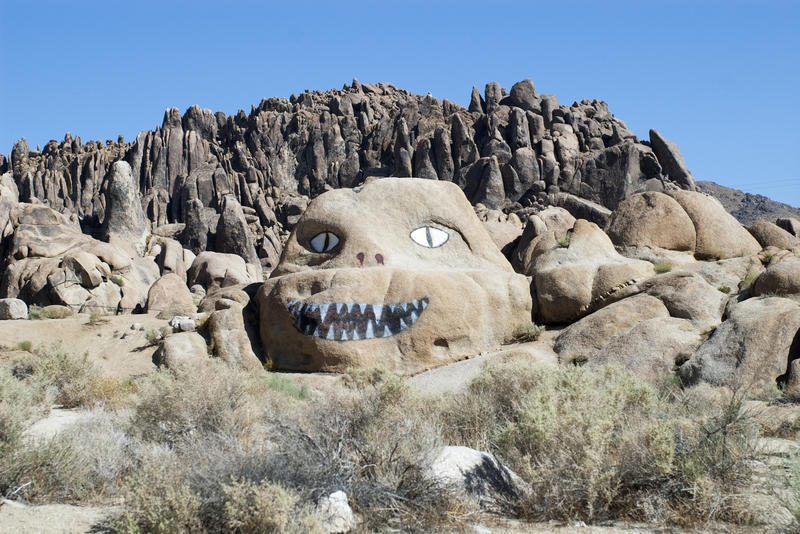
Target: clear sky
720	79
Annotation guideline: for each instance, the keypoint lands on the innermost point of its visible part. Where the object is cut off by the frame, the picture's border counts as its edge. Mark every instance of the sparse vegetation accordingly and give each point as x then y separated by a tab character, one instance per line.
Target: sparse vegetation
97	319
117	280
564	241
26	345
48	312
525	332
214	449
724	289
748	280
662	267
154	336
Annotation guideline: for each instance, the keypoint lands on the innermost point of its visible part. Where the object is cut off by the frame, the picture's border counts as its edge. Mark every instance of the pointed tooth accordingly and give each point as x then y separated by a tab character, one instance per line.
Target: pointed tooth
403	325
312	308
316	332
339	307
362	307
344	335
377	309
331	333
349	306
413	317
403	305
424	303
355	335
323	311
370	333
386	331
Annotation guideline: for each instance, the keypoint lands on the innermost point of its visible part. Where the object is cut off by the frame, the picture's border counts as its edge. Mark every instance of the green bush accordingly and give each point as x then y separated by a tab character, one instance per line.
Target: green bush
724	289
289	387
27	346
662	267
525	332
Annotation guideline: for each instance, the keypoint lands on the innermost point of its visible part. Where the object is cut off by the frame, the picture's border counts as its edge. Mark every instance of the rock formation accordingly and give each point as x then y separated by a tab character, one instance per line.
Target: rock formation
398	273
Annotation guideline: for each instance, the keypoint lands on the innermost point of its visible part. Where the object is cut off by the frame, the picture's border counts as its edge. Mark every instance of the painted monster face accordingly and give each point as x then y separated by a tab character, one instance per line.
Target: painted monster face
399	273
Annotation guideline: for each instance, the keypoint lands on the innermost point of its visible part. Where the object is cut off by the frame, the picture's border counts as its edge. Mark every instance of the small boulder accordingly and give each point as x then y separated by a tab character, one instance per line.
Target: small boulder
551	219
688	296
335	514
170	295
671	161
581	341
181	323
780	279
772	235
476	476
719	234
229	340
790	224
751	349
13	309
181	349
215	269
651	349
651	219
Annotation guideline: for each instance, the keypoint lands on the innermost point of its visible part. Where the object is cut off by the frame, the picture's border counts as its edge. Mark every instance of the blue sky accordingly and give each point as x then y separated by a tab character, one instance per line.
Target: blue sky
719	79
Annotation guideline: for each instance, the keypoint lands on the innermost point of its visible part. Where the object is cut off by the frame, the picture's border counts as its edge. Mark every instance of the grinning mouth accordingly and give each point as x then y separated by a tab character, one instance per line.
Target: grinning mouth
339	321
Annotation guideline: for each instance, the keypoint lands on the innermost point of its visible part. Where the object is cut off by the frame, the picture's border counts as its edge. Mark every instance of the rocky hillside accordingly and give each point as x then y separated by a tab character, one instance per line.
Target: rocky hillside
747	207
515	150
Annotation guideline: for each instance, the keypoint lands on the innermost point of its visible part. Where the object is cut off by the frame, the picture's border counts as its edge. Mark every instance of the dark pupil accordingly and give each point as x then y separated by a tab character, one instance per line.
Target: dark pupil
428	236
325	243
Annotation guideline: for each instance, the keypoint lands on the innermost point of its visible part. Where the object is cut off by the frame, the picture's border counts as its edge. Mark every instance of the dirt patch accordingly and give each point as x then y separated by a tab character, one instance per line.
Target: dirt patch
111	344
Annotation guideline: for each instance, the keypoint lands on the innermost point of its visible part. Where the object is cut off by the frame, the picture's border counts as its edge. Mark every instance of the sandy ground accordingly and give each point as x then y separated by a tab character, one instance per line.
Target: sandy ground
112	345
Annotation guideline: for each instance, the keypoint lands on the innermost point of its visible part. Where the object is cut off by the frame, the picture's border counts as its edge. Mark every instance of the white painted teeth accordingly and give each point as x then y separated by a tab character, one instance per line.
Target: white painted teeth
351	321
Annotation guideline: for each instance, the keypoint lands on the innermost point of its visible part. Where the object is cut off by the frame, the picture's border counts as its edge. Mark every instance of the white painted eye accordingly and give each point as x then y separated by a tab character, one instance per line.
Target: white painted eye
324	242
429	236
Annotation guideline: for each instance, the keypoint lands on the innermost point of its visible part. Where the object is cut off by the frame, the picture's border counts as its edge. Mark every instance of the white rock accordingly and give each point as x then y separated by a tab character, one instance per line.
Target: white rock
181	323
335	513
13	309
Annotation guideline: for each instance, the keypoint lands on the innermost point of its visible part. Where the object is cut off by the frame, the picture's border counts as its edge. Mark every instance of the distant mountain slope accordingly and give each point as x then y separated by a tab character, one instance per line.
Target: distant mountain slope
747	207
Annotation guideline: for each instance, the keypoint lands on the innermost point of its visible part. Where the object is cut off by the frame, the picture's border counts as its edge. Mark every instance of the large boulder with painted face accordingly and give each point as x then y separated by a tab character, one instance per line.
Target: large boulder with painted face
398	273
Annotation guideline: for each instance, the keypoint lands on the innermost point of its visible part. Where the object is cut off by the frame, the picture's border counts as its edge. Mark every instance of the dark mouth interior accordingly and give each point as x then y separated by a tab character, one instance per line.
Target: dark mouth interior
347	321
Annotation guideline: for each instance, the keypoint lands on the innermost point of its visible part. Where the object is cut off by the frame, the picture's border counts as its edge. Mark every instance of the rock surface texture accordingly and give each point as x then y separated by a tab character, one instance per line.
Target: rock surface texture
398	273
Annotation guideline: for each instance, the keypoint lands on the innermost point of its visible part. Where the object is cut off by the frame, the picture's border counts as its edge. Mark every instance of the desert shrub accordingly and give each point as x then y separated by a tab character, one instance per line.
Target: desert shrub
97	319
69	375
86	462
662	267
20	401
27	346
111	392
724	289
181	403
289	387
525	332
154	336
35	312
265	507
597	444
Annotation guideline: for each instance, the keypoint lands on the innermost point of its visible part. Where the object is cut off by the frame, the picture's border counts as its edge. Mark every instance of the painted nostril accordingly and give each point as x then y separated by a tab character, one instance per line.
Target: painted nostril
360	257
379	258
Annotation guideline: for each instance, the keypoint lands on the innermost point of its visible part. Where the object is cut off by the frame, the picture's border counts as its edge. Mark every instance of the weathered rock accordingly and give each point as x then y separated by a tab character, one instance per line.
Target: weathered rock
124	221
772	235
182	323
581	341
552	220
790	224
651	219
571	280
170	295
477	477
671	161
228	338
523	95
752	349
687	296
652	349
780	279
215	269
335	514
396	273
719	235
233	234
183	349
13	309
503	234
